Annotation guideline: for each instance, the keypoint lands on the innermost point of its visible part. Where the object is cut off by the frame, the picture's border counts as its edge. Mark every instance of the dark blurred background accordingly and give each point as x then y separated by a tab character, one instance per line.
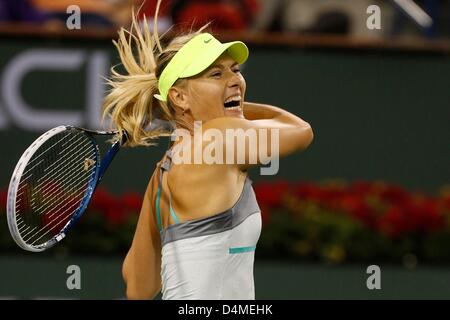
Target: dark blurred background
372	189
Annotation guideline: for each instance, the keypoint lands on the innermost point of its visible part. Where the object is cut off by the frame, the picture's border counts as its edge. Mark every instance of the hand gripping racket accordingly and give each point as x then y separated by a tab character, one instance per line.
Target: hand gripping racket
53	183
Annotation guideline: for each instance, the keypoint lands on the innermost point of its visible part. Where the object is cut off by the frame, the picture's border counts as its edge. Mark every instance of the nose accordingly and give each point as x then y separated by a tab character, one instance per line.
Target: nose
234	80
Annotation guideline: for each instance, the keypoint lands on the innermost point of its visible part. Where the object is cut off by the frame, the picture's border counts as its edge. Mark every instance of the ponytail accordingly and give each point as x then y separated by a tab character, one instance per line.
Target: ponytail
130	102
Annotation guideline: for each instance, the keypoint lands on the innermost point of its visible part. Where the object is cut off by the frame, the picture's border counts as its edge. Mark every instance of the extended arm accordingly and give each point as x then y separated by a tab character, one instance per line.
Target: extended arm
142	266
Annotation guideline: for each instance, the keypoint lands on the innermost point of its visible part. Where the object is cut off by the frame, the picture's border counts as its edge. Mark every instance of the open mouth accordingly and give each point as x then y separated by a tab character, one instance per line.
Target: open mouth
232	102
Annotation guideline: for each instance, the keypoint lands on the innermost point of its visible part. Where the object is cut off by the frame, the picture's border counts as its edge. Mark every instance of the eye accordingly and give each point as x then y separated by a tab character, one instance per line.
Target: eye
237	70
216	74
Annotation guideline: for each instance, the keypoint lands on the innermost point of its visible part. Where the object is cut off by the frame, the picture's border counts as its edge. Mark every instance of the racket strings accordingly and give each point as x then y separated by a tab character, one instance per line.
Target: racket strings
72	203
50	185
44	150
48	189
53	185
71	199
29	172
56	219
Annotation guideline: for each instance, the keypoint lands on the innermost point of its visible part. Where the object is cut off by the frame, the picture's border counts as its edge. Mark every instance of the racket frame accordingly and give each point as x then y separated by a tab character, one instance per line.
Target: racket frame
95	179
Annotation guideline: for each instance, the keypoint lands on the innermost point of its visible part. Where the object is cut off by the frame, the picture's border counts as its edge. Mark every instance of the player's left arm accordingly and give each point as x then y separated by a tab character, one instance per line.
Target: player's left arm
142	266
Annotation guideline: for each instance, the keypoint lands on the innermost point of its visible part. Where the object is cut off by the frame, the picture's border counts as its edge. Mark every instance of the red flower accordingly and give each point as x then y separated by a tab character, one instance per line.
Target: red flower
132	203
332	198
362	188
415	216
308	191
356	206
394	194
108	206
270	194
446	201
423	215
3	199
115	215
101	200
266	215
392	223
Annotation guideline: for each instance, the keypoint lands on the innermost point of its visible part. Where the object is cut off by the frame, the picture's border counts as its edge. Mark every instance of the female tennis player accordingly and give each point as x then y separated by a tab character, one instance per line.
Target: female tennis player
199	224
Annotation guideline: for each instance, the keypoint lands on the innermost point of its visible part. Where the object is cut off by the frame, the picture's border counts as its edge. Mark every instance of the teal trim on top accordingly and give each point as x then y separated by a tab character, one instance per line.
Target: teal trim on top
158	213
242	249
172	212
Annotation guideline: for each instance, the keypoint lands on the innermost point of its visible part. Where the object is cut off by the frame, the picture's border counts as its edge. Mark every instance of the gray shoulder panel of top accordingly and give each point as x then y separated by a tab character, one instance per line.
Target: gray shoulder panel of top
243	208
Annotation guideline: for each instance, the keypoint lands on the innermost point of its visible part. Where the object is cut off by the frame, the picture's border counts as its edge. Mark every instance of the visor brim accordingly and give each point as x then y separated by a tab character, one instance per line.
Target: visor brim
236	49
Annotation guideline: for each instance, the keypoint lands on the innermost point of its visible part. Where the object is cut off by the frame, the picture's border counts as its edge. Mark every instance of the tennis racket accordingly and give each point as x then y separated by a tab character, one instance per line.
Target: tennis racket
53	183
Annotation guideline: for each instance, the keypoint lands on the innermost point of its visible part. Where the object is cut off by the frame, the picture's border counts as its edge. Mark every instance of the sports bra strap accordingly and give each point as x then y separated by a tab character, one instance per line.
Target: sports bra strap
172	212
165	166
167	163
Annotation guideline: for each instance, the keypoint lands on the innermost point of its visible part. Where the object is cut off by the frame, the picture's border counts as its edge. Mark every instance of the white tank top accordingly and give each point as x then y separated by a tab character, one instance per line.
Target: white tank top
211	258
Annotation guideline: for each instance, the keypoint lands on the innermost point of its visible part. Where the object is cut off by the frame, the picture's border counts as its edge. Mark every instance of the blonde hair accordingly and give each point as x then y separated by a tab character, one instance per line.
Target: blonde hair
130	102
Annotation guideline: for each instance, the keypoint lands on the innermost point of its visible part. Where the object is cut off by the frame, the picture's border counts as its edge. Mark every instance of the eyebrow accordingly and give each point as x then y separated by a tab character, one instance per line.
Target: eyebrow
221	65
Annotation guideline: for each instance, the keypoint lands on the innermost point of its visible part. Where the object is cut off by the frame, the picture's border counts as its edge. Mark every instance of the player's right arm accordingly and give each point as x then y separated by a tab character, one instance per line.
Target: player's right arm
291	133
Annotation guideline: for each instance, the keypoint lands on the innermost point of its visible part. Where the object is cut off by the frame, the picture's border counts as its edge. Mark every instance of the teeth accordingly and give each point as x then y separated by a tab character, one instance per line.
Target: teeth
234	98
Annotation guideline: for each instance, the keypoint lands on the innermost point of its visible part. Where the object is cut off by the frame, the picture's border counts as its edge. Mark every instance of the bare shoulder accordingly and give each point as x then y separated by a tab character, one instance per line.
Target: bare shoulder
201	175
202	190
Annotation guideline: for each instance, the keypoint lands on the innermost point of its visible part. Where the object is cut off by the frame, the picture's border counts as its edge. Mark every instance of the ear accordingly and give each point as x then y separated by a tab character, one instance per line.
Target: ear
178	97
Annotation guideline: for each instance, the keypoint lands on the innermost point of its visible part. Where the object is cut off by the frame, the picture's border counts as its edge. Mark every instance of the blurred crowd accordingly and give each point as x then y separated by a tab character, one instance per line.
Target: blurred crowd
308	16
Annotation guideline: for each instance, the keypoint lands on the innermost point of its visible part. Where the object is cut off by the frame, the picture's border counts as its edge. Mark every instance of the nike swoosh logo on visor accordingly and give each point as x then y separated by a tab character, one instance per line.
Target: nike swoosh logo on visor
206	41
